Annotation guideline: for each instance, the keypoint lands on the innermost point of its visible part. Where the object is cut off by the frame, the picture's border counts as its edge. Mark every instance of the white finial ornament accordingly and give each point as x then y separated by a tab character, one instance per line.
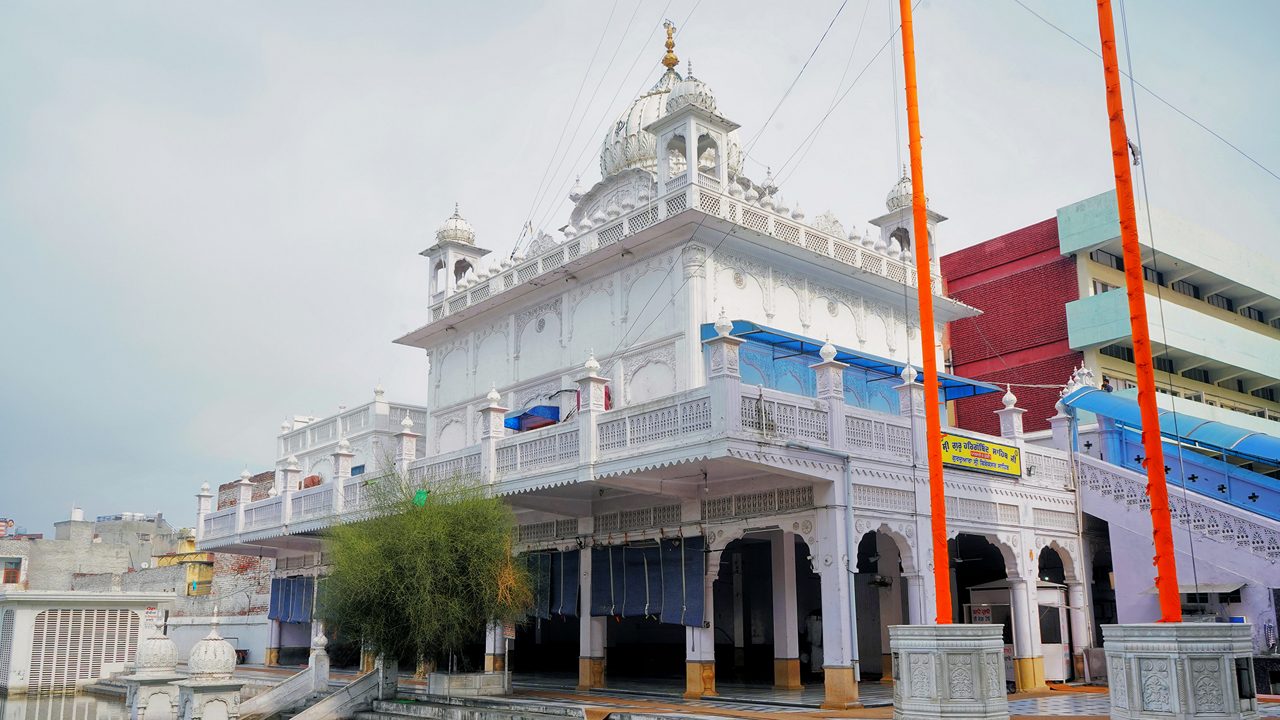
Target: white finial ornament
723	325
344	445
494	397
827	352
378	392
292	462
204	488
406	422
575	194
592	365
285	427
1009	399
245	475
909	374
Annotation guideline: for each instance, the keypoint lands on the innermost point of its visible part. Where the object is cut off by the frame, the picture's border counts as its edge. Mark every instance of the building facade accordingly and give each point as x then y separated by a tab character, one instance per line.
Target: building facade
700	392
1214	310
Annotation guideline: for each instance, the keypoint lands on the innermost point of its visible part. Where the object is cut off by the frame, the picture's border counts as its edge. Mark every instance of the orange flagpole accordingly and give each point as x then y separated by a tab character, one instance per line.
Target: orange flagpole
924	291
1157	489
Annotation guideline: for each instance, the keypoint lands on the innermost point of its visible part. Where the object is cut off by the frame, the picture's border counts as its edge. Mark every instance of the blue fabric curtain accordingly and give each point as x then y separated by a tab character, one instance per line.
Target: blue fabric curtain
683	569
539	565
664	581
292	599
564	583
643	581
608	581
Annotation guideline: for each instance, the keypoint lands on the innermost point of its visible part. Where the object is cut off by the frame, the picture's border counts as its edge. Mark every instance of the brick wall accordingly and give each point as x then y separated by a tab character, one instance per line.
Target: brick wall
1022	284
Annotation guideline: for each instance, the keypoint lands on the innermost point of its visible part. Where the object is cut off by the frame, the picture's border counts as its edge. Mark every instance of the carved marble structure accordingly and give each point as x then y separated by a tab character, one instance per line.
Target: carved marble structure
1180	671
948	671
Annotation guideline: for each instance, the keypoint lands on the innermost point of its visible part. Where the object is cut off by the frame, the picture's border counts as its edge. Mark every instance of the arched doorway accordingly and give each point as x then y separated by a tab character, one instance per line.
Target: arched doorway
880	596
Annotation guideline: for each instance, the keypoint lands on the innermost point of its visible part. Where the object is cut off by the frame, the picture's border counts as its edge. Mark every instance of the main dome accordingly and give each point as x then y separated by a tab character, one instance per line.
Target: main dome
628	145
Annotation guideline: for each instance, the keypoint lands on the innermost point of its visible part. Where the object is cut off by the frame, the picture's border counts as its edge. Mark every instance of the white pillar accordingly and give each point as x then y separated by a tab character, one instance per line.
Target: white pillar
491	431
724	377
1081	638
244	496
342	458
591	388
1060	427
204	505
1010	416
591	630
786	619
700	642
406	445
839	639
1028	663
495	648
918	600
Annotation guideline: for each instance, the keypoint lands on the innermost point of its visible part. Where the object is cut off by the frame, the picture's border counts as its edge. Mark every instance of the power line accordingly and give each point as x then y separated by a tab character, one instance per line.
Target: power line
1153	93
755	138
573	106
843	95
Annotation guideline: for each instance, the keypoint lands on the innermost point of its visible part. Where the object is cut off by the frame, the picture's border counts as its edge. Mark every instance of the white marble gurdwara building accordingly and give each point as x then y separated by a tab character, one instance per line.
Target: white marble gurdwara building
702	407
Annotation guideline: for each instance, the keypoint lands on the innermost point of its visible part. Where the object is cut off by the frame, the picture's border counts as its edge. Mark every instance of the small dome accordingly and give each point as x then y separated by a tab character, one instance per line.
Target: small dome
1009	400
212	658
456	229
157	655
827	352
691	91
900	196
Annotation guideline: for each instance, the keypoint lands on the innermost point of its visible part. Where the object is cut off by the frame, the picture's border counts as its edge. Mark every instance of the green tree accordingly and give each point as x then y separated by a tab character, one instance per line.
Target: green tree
425	572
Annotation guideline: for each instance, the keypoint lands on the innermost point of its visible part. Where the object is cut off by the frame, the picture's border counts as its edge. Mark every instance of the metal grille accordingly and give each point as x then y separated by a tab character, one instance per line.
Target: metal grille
6	647
72	645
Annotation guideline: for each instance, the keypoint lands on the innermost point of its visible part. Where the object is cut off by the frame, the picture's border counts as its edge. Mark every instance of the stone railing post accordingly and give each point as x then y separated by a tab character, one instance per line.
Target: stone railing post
341	474
591	391
318	662
830	375
406	445
204	505
724	378
911	406
244	496
1010	416
491	431
1060	427
291	478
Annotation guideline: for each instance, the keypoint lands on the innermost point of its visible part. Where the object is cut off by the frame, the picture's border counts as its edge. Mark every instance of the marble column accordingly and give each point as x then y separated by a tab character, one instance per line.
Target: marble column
700	642
839	639
495	648
1081	638
1028	665
591	632
786	620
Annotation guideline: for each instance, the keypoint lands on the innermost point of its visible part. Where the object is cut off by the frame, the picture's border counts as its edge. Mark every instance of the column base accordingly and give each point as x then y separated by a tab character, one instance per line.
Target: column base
886	668
840	689
1180	670
367	661
273	657
948	671
786	674
495	663
590	673
1028	674
699	679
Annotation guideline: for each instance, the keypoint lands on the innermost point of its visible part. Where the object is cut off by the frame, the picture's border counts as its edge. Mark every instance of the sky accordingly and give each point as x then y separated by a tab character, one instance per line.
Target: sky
210	213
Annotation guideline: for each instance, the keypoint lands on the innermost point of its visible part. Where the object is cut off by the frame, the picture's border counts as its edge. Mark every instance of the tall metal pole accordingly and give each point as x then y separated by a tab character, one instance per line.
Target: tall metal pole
1157	489
924	291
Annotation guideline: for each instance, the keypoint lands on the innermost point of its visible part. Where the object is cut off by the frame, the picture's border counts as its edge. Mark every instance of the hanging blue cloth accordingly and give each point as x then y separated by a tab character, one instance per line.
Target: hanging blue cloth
643	575
565	568
539	565
684	567
608	581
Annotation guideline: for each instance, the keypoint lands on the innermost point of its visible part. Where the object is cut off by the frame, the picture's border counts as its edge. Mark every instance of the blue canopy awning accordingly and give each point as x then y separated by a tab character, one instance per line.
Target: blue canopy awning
1179	426
952	387
531	418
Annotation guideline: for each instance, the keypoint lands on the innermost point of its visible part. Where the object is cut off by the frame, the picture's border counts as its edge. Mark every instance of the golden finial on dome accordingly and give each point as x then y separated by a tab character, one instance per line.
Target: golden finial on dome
670	59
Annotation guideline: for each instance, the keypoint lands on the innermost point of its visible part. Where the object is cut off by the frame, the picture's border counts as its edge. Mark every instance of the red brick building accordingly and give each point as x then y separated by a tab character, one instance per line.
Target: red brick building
1021	282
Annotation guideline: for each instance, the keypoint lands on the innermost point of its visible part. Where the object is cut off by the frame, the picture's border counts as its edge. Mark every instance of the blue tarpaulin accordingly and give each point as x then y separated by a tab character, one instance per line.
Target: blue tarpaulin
664	580
564	583
532	418
1188	429
539	564
952	387
291	599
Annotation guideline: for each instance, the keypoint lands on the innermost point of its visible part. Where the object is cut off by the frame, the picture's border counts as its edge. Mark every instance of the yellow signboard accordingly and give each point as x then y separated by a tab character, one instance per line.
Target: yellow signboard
967	453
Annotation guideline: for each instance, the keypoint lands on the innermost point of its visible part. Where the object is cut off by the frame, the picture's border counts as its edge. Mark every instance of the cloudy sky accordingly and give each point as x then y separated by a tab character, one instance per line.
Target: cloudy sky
210	213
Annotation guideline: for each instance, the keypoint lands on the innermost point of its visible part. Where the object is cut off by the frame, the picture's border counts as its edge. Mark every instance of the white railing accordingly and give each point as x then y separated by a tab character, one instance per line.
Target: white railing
222	522
312	503
1047	468
537	450
784	416
461	464
673	418
1206	516
876	435
706	195
263	513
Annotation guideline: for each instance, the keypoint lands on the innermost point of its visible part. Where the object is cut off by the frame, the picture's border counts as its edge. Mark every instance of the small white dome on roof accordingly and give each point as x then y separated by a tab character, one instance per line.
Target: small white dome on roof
212	658
456	229
900	196
691	91
157	655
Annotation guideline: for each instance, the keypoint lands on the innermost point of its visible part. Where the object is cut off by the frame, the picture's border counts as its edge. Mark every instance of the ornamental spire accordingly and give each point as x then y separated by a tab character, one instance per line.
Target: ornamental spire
670	59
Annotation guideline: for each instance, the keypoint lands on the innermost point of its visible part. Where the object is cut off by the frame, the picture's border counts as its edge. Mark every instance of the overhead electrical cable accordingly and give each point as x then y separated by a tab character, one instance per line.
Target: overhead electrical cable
1154	94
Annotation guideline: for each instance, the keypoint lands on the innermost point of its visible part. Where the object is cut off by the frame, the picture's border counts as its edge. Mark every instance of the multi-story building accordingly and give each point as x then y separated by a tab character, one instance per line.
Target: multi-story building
1213	306
700	381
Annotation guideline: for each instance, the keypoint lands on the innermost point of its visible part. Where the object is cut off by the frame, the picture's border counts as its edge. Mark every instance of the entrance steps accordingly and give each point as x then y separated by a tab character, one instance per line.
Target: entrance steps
437	707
